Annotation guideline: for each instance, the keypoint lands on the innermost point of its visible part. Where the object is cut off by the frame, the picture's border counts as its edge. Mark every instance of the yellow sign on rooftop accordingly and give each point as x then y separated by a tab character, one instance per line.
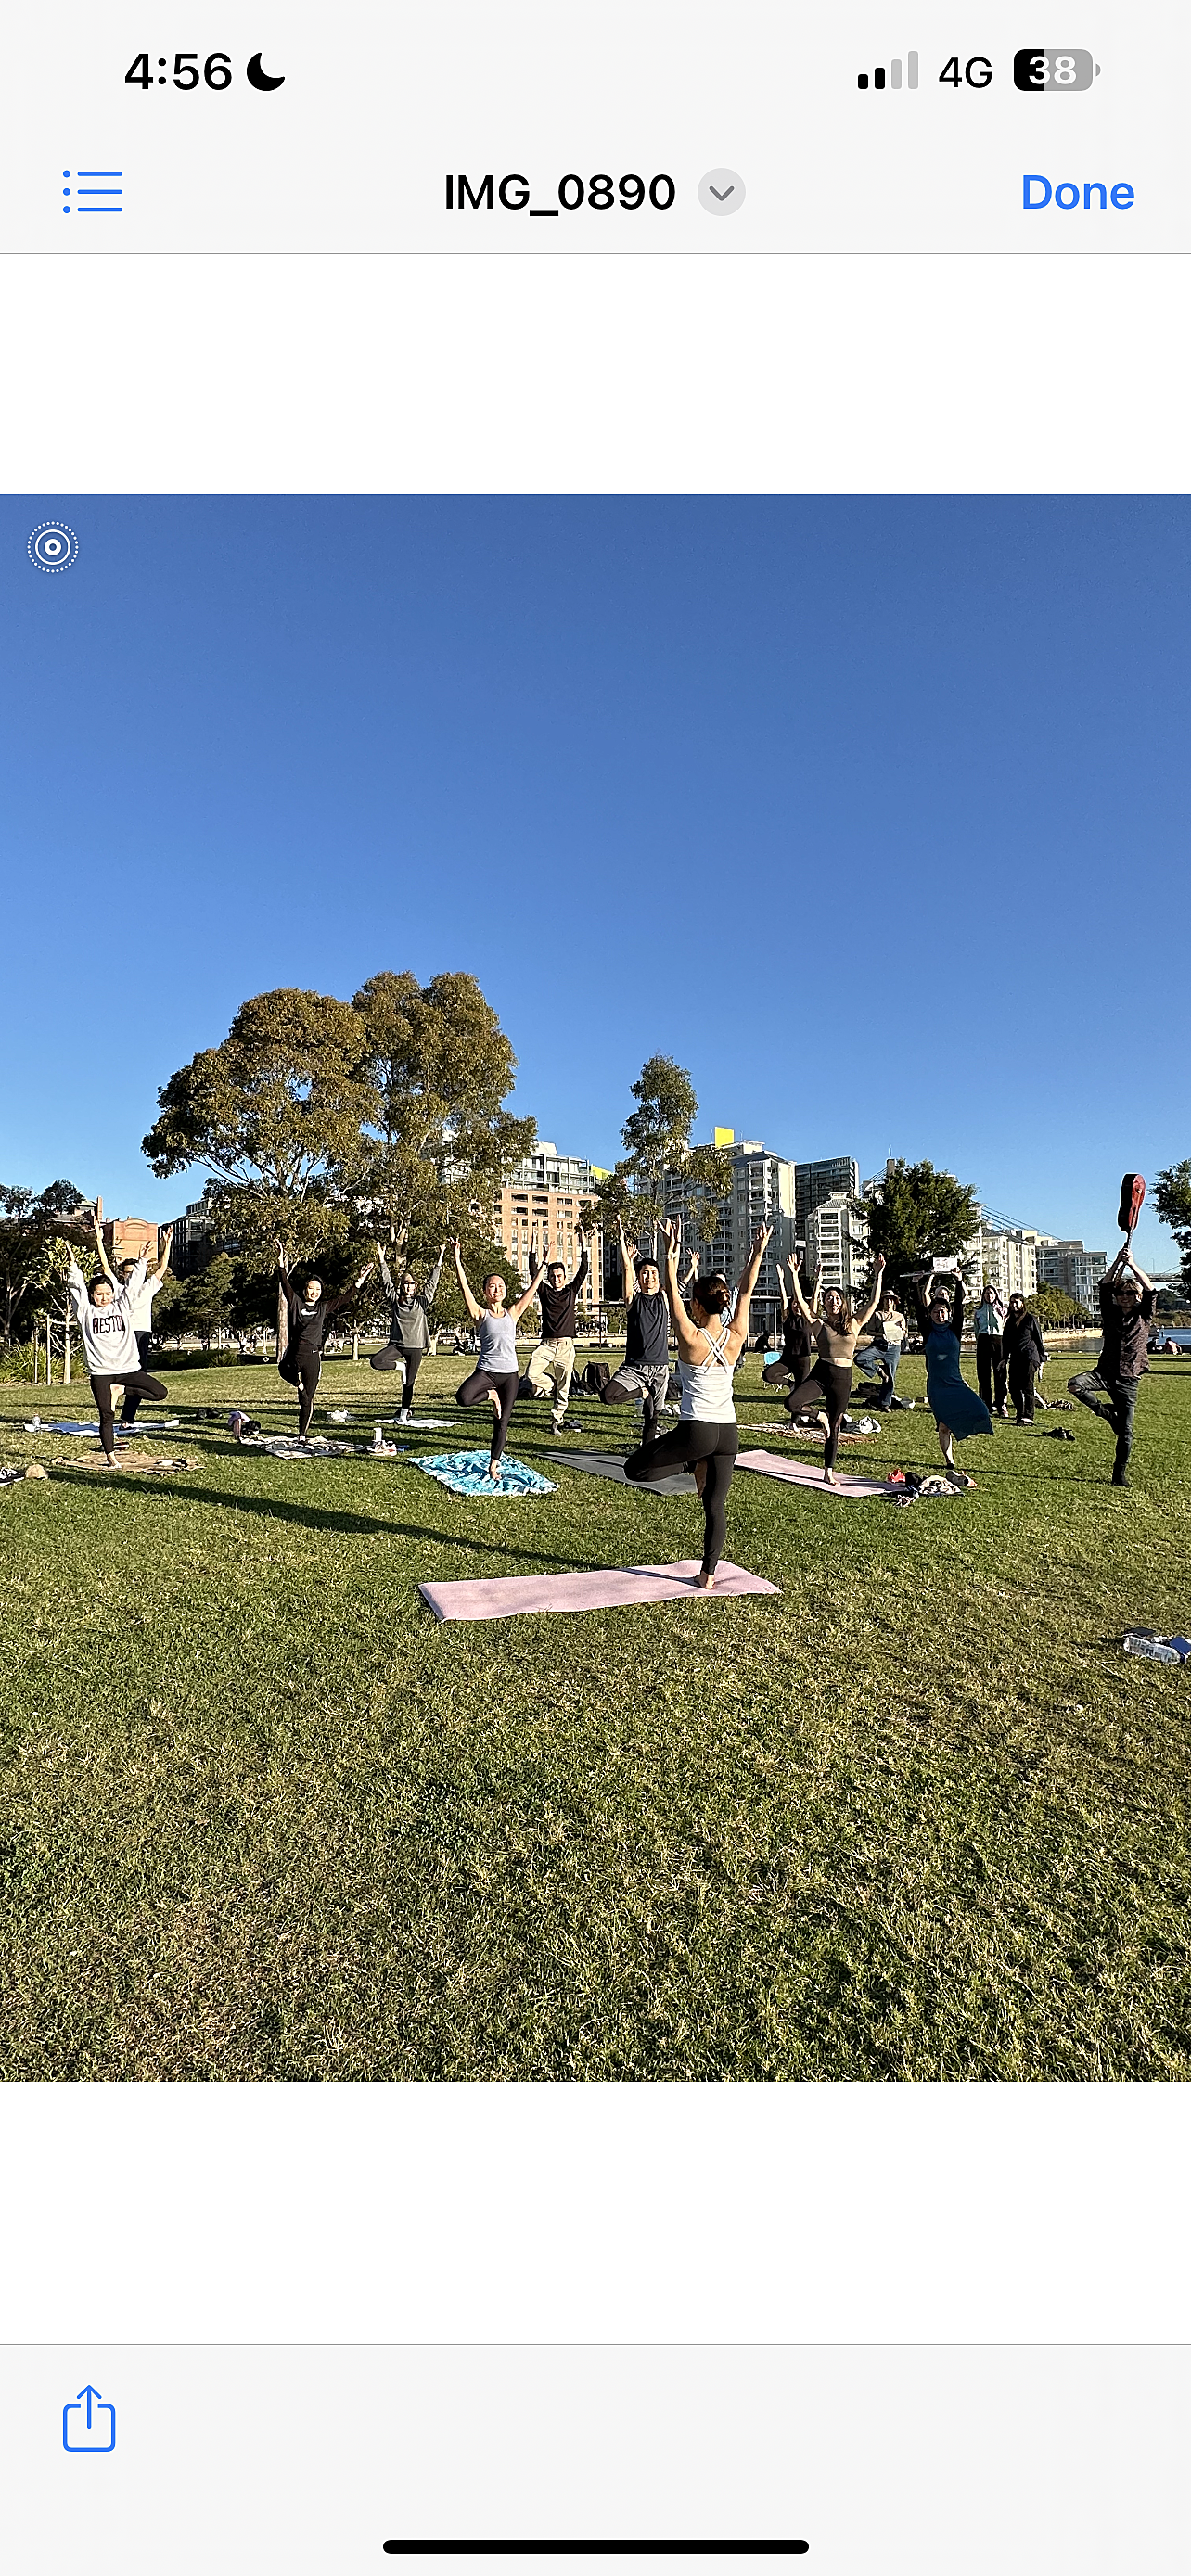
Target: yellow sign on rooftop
723	1136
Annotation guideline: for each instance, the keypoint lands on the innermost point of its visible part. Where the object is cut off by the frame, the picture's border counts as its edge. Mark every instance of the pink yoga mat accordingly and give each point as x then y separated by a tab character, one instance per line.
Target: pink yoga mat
588	1588
799	1471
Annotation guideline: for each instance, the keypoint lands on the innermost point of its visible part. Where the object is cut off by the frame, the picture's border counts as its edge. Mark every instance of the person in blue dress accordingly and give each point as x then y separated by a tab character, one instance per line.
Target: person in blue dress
958	1410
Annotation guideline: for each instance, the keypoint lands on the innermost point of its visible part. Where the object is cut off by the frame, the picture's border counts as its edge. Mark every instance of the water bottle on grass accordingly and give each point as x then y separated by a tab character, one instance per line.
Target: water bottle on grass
1161	1650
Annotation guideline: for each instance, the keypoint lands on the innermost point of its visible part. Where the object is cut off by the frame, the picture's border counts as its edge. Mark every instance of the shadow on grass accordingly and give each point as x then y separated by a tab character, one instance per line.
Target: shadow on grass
354	1524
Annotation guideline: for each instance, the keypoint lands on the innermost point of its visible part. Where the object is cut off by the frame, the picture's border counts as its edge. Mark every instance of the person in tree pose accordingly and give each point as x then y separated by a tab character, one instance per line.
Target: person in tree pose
644	1372
105	1312
705	1438
140	1304
828	1384
496	1377
798	1347
882	1358
1025	1354
553	1363
958	1410
311	1316
409	1324
1127	1303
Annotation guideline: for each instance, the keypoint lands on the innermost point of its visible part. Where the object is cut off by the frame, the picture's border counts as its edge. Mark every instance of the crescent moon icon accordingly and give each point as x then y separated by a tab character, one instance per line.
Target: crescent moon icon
261	79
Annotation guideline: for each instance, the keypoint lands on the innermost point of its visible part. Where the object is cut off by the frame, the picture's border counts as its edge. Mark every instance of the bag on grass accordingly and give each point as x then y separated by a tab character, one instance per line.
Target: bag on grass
595	1377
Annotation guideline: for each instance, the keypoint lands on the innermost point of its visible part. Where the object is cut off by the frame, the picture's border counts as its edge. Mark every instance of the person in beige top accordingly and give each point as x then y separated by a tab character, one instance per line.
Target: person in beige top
829	1384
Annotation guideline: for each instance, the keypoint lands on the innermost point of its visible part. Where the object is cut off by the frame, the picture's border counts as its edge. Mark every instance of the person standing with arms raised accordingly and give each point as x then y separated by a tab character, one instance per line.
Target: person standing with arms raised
409	1324
553	1364
798	1348
705	1438
311	1316
140	1305
958	1410
496	1377
104	1313
1127	1303
644	1372
828	1385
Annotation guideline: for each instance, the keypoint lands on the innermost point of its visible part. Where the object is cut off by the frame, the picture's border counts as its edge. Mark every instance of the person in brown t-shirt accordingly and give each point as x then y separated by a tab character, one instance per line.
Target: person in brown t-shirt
1127	1303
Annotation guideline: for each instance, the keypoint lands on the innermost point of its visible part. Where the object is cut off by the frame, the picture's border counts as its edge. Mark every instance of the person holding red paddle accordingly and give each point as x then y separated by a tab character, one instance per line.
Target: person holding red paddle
1127	1302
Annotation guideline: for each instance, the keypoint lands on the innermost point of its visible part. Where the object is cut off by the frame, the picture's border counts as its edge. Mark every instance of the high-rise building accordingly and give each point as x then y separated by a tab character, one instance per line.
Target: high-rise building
760	1192
814	1182
543	1201
837	1249
1066	1265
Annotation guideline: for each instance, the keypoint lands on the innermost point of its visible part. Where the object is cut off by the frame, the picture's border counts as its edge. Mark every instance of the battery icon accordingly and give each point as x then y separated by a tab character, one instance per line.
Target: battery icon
1039	67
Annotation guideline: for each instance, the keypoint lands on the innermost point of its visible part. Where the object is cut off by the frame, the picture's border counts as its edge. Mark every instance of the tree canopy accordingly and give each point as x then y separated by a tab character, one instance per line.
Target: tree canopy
440	1137
325	1121
921	1214
28	1224
1172	1200
657	1135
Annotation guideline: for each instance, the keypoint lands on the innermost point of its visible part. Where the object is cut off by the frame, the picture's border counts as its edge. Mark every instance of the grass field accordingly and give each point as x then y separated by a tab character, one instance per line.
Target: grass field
262	1818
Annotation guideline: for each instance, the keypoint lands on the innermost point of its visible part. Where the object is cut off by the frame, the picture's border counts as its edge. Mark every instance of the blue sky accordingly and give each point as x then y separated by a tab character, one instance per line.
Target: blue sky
873	813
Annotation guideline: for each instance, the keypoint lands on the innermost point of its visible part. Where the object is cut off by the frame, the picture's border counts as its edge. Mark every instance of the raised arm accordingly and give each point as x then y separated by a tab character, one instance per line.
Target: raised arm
628	1256
343	1296
875	1299
430	1291
689	1335
471	1303
581	1273
1138	1272
809	1314
738	1328
386	1276
529	1293
162	1263
97	1223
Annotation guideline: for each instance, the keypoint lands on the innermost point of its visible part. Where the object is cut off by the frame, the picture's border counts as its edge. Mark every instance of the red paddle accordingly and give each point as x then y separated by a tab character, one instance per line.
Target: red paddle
1133	1190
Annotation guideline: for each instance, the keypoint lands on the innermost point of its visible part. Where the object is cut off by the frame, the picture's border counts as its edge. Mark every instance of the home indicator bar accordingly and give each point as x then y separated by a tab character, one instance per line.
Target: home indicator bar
596	2548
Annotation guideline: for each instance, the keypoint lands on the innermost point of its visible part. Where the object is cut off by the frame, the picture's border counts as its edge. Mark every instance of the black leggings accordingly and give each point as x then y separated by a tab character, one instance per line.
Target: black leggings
717	1443
303	1369
477	1388
826	1390
137	1382
133	1392
394	1357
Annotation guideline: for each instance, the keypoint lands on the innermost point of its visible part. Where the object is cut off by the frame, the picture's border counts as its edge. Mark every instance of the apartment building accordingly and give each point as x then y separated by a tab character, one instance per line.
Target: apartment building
836	1176
837	1245
1009	1257
1066	1265
543	1201
761	1192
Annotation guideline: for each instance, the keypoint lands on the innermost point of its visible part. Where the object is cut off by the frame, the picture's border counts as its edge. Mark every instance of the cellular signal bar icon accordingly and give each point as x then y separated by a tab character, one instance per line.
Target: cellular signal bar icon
895	74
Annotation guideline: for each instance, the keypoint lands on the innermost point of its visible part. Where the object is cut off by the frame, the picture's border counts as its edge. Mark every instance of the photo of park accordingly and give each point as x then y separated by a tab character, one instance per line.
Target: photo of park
595	1293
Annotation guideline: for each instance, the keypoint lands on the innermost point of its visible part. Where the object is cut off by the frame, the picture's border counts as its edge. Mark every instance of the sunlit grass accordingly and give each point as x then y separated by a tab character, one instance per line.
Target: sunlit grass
260	1817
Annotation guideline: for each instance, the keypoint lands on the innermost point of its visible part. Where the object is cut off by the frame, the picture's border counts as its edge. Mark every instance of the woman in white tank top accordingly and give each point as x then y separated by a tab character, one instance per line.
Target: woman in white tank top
705	1438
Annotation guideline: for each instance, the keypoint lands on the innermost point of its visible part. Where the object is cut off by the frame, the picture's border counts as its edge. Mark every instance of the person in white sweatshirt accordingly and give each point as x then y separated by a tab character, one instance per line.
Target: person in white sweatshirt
105	1320
140	1306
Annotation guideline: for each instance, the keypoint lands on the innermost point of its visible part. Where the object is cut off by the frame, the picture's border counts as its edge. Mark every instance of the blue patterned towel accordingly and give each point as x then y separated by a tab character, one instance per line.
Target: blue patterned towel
465	1471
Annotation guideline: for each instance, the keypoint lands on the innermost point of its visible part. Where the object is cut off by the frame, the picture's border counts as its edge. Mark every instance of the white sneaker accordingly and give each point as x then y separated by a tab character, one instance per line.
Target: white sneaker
405	1415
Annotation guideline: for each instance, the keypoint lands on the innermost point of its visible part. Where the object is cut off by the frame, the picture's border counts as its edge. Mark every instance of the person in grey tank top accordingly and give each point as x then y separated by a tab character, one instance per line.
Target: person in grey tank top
495	1377
705	1439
